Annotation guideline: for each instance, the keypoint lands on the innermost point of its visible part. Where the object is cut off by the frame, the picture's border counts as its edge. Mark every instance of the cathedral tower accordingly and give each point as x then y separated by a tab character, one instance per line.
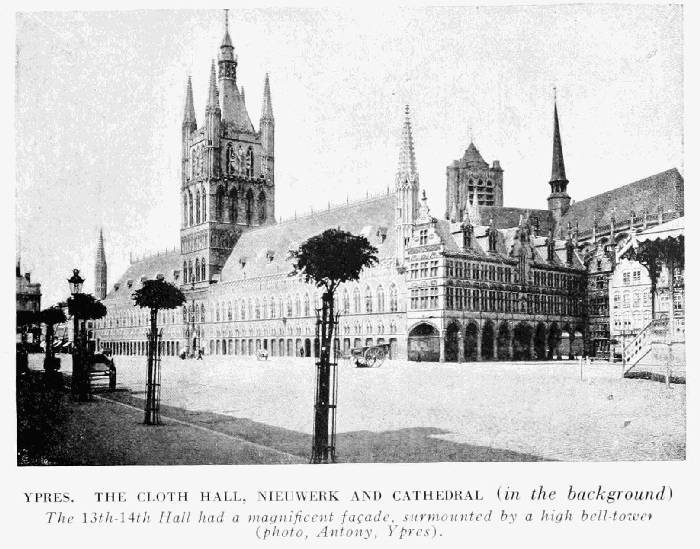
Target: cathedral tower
407	186
558	200
471	180
227	171
100	269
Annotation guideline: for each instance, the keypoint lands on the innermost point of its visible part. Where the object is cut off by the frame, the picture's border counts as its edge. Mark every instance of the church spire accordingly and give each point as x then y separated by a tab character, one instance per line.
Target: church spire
558	199
226	42
558	171
407	154
189	118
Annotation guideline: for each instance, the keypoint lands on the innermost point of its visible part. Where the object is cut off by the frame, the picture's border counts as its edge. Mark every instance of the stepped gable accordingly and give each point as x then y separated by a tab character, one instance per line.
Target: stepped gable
149	267
663	191
264	251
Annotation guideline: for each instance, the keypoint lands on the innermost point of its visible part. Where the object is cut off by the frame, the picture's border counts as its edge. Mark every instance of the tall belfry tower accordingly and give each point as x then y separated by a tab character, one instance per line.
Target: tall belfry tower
407	187
100	269
228	179
558	200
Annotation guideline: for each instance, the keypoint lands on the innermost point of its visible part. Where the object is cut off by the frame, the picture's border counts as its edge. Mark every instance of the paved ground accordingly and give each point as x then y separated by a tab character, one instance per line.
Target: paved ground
410	412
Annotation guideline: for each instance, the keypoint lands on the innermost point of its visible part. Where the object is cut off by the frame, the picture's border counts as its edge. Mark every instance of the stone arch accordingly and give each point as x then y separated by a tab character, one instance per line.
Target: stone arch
522	334
219	203
198	207
540	341
488	337
471	342
503	342
424	343
553	340
452	342
567	337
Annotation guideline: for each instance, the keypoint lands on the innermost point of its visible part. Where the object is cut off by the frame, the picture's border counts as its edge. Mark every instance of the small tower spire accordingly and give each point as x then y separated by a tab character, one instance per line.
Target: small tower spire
266	113
407	154
226	42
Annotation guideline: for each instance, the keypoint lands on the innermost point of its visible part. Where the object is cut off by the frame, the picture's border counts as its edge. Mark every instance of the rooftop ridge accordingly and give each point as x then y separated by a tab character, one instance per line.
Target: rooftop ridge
336	207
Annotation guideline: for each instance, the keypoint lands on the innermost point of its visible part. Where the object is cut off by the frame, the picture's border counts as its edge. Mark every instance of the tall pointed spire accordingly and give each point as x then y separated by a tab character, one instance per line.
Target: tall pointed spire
100	269
189	118
213	97
558	199
266	113
407	154
226	42
558	171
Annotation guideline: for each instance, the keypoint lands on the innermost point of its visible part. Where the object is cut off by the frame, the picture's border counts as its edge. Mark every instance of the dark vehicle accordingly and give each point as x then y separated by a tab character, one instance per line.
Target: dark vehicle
102	365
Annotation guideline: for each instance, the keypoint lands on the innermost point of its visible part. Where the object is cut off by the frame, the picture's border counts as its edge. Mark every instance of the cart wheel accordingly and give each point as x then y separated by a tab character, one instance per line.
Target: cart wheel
380	356
370	357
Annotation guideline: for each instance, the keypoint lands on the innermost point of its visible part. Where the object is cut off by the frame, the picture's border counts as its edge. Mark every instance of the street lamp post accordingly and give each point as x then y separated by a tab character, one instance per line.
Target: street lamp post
78	385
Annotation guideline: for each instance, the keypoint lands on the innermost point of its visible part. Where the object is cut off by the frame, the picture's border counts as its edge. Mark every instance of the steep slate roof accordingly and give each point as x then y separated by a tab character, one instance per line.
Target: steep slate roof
505	217
663	190
472	156
256	246
148	267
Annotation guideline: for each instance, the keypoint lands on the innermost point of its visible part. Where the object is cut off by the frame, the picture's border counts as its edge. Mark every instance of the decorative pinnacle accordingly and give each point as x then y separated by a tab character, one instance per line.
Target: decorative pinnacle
213	100
226	42
189	117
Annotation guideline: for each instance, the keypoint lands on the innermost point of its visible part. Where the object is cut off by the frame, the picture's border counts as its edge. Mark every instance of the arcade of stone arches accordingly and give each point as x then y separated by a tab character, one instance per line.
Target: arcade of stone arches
472	340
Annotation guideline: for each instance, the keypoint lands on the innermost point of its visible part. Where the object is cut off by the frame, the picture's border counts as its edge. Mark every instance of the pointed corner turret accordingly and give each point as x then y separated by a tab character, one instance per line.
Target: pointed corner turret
100	268
213	96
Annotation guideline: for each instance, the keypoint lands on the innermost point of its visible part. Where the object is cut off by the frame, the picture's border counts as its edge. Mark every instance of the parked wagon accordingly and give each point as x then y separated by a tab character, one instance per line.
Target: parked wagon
371	356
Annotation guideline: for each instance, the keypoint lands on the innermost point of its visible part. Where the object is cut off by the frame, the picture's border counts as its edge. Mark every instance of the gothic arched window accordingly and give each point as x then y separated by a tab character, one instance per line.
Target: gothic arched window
203	266
204	206
257	309
198	206
234	206
297	306
196	270
220	204
380	299
203	317
356	300
393	299
189	270
184	272
191	213
249	163
184	209
306	305
262	207
368	299
249	207
346	301
229	159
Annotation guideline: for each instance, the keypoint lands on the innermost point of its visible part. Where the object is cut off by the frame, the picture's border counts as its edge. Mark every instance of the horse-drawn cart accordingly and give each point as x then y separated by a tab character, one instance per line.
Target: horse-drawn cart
371	356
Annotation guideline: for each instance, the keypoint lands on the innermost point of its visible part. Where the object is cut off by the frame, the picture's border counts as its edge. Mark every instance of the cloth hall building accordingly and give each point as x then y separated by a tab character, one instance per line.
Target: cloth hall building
481	282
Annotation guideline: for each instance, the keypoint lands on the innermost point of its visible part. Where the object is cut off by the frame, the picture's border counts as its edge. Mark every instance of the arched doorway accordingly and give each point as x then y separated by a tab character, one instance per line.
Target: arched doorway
553	339
452	342
521	341
540	341
424	343
471	339
487	338
566	337
307	347
503	342
290	347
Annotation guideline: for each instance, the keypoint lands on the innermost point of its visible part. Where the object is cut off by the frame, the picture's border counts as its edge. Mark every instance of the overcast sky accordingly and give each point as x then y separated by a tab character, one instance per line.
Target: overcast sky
99	102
